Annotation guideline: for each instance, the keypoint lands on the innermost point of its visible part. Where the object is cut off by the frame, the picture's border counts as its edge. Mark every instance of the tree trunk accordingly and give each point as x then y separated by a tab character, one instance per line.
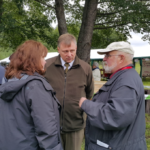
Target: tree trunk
62	27
86	31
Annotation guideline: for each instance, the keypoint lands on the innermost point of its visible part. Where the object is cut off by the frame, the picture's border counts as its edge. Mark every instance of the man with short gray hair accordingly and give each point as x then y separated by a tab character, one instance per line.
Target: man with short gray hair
116	114
71	78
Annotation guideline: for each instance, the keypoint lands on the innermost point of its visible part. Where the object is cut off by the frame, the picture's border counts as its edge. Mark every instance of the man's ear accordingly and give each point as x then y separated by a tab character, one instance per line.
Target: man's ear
122	58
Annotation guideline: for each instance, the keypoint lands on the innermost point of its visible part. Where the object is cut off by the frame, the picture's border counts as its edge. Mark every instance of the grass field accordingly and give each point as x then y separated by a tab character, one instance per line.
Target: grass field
147	134
146	81
5	54
83	144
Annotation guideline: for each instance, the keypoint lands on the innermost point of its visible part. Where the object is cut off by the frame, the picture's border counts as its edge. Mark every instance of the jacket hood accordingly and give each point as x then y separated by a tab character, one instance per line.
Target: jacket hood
10	89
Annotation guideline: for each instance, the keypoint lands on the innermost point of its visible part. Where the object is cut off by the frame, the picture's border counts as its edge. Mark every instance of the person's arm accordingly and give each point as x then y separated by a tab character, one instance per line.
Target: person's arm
90	84
42	112
116	114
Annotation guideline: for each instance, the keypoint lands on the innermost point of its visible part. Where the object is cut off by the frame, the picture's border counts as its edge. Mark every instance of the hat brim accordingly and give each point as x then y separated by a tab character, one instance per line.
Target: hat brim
103	51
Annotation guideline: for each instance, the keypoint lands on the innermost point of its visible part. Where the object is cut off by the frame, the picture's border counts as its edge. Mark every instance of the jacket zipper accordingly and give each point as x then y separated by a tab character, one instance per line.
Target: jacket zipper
63	102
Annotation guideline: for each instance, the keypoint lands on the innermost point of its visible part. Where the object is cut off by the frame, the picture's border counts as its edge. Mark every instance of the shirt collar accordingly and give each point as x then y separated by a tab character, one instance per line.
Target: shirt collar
63	63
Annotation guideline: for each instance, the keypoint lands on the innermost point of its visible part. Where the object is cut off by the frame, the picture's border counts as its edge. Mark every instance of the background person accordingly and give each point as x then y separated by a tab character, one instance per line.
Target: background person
71	78
4	80
96	71
29	115
116	114
2	73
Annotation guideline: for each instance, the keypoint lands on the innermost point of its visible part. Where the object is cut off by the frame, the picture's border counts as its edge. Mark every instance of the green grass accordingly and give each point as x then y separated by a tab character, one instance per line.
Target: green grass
83	144
147	133
146	81
5	54
137	67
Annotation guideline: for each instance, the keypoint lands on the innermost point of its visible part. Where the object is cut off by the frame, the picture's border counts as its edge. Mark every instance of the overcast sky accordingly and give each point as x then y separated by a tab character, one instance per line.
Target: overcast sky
138	44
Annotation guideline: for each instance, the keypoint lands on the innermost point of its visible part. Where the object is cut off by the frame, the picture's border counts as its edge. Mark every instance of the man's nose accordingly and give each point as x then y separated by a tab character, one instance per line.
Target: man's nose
104	59
69	53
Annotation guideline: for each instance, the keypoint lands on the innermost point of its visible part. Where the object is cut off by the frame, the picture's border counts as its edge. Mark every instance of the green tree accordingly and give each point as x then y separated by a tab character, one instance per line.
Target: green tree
20	24
121	15
101	38
106	18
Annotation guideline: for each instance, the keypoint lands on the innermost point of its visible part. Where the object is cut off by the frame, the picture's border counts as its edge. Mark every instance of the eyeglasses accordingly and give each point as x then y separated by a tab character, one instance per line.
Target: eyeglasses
107	56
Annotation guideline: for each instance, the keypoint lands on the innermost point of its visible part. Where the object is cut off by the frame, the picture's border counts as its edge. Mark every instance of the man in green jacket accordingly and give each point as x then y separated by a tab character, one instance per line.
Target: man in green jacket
71	78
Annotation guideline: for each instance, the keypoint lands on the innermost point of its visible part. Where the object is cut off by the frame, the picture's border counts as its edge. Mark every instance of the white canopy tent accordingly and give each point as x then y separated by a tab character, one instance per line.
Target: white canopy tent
5	60
49	55
139	53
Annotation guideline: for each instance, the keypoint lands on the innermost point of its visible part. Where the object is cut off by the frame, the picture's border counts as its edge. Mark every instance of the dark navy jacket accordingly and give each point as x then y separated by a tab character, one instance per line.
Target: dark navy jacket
29	115
116	114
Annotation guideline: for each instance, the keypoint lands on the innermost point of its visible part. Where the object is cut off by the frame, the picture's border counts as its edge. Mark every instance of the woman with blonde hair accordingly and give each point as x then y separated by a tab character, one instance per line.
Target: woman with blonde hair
29	110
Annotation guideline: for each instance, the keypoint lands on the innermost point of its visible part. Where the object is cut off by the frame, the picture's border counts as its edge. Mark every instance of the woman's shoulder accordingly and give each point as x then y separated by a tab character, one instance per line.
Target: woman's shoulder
34	81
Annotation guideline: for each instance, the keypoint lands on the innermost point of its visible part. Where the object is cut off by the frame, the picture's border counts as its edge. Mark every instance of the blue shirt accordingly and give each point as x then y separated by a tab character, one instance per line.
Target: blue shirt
63	63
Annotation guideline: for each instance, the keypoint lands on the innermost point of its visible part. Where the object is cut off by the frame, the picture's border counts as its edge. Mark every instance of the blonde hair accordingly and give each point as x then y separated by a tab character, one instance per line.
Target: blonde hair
66	39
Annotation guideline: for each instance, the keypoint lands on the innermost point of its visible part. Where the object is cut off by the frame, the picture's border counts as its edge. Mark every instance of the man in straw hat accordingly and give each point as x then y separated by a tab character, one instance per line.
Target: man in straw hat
116	114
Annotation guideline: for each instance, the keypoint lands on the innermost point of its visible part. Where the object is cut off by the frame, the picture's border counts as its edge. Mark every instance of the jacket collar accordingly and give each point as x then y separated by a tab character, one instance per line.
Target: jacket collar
116	75
75	64
58	61
46	85
40	77
10	89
